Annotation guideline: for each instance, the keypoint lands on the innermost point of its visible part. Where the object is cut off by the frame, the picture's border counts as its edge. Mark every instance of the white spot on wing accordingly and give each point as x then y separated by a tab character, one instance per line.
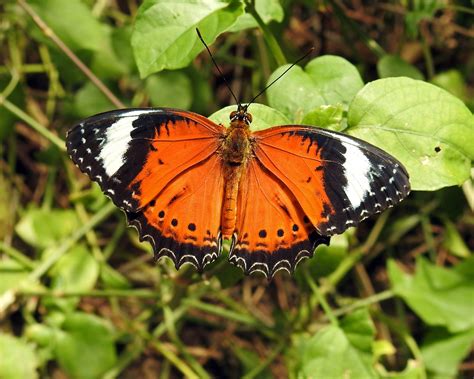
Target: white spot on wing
116	144
357	171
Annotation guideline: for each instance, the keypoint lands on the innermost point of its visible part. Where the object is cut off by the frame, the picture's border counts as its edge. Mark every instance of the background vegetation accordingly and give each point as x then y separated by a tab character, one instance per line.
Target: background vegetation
81	298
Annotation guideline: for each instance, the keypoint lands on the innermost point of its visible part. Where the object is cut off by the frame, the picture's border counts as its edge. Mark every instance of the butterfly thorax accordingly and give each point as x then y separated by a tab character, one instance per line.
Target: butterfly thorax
236	150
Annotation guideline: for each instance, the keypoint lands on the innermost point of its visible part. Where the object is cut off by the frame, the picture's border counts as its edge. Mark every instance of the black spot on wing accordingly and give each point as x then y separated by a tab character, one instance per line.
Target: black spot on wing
179	252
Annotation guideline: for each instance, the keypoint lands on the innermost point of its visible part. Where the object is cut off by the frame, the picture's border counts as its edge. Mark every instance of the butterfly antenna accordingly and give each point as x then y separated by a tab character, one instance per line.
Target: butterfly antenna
284	72
218	69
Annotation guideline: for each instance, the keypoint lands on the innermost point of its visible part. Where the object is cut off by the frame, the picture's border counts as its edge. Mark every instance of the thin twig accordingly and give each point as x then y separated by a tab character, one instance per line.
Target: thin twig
48	32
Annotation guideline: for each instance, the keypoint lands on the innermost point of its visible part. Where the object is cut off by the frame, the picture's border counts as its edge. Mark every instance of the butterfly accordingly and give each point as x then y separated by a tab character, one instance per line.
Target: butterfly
187	183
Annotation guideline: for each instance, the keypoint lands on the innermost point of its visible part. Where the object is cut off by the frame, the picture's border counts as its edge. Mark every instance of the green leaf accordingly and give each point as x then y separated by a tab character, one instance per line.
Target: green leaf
112	278
442	352
17	358
72	21
327	80
42	228
268	10
437	295
452	81
106	63
426	128
326	116
164	36
76	271
326	259
393	65
263	117
412	371
90	100
170	89
338	352
453	240
85	347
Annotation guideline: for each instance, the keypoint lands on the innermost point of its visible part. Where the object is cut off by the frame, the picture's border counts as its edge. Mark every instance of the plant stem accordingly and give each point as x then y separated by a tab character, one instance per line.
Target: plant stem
321	299
388	294
48	32
139	293
267	34
175	360
33	123
17	255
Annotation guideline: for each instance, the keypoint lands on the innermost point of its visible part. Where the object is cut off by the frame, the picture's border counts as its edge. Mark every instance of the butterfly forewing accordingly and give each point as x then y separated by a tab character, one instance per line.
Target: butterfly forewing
147	159
337	180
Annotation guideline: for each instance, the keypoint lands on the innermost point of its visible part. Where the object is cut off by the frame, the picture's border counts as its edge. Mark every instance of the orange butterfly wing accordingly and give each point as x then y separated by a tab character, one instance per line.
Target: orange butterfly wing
147	159
272	231
337	180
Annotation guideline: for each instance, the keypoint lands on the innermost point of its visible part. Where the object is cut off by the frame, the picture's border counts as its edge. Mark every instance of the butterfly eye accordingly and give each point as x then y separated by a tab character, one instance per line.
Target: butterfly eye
232	115
249	118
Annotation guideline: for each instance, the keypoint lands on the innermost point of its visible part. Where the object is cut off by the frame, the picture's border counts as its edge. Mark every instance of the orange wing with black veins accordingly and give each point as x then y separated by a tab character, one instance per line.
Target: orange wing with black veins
273	232
160	166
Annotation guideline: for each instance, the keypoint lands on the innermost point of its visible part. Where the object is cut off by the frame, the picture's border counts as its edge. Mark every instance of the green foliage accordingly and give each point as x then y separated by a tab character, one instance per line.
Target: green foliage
326	80
425	127
18	359
439	296
392	66
173	25
79	296
338	351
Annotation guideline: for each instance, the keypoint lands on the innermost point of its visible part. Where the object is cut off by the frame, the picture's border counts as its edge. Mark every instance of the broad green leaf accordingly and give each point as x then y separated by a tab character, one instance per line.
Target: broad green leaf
17	358
326	116
85	347
393	65
327	80
72	21
268	10
263	117
165	36
426	128
42	228
442	352
338	352
169	89
439	296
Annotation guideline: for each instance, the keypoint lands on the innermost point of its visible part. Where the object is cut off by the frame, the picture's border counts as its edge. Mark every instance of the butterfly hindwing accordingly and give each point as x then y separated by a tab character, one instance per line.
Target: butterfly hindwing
272	231
134	153
183	222
337	180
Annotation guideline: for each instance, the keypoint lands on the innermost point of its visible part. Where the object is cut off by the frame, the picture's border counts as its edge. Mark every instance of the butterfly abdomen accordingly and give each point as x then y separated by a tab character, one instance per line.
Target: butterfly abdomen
235	152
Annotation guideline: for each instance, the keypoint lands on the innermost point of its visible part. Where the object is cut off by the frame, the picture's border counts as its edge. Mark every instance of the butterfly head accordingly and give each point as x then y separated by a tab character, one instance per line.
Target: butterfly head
241	115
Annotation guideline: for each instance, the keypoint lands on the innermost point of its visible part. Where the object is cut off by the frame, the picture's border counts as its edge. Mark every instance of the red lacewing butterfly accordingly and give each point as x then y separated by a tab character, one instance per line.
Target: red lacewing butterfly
186	183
